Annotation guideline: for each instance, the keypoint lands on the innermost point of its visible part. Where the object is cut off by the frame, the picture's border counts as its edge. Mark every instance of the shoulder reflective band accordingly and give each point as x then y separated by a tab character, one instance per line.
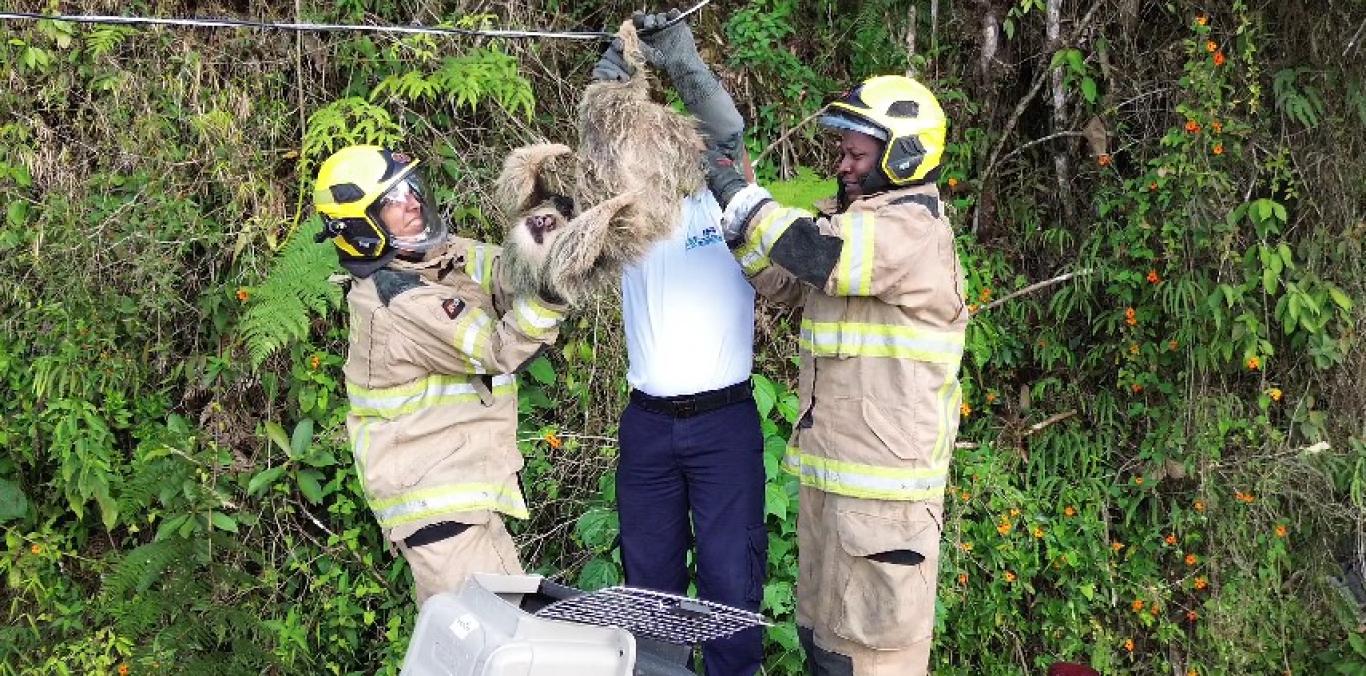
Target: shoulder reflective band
479	266
854	274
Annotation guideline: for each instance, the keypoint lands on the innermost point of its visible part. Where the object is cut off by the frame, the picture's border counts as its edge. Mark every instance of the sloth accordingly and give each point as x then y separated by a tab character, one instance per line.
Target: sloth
635	162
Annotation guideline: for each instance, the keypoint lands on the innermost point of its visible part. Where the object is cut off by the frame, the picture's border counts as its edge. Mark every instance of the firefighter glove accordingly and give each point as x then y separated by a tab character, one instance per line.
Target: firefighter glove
612	67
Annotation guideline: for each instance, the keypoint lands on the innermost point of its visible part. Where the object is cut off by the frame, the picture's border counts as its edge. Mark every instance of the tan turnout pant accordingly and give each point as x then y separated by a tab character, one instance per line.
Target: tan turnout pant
445	565
865	598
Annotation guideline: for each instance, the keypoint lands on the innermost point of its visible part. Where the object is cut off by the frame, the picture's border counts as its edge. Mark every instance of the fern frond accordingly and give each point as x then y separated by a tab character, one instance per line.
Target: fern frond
295	289
142	567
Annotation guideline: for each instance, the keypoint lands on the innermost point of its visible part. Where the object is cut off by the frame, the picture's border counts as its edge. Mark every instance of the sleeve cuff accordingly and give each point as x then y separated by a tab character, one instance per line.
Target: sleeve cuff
741	208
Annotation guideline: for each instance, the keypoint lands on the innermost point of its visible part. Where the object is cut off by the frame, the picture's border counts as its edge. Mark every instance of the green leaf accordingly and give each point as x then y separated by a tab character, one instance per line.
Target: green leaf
1287	257
775	500
302	439
13	502
17	213
598	528
309	485
1341	299
598	573
222	521
765	395
170	525
264	479
1269	279
277	435
542	371
1088	89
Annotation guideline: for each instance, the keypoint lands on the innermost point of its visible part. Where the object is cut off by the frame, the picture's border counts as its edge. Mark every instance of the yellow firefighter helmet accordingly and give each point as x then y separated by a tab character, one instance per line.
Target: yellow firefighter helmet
901	112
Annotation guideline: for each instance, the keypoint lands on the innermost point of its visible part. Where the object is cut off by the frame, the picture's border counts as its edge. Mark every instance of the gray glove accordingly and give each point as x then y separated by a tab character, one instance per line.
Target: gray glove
723	180
612	66
672	49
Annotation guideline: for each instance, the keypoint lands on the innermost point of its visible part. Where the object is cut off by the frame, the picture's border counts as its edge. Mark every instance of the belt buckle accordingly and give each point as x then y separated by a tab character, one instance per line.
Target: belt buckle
685	408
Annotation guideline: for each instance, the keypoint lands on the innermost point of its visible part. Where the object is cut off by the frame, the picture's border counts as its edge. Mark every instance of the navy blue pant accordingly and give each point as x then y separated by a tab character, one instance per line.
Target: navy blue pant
711	464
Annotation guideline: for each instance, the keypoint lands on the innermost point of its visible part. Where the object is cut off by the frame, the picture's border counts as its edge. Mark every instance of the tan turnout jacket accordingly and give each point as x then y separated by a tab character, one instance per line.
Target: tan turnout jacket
433	417
880	345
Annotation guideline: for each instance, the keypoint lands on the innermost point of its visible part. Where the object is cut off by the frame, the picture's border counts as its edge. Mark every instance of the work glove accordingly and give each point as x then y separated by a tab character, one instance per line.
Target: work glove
612	67
673	50
723	179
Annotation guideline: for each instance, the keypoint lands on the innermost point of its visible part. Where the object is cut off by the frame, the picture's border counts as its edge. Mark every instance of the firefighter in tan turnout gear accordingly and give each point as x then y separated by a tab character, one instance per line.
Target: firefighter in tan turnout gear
881	342
434	343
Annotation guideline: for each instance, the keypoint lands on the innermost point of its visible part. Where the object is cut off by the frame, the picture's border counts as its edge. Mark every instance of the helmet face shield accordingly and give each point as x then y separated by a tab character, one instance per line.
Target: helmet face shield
407	213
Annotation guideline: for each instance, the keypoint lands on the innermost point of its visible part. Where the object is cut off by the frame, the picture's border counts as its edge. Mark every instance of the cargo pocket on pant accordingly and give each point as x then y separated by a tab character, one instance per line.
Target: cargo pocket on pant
892	561
758	563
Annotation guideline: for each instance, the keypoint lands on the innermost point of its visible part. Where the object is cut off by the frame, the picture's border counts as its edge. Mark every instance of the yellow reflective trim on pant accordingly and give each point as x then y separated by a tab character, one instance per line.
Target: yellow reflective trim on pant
479	266
854	273
429	392
753	253
856	339
533	318
858	480
428	502
360	447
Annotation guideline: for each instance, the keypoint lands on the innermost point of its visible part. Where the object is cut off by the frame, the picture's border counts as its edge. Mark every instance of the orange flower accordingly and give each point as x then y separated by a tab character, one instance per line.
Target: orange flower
984	295
123	670
1211	46
1116	546
243	295
1275	393
1103	159
1014	512
1201	20
953	183
1010	577
1170	539
1201	582
1217	126
1199	505
965	496
1253	363
965	408
1219	58
991	397
1137	605
1243	497
963	579
1192	616
1192	126
1192	672
1129	644
972	309
1038	532
1153	278
314	362
1191	560
1130	316
1136	388
967	546
1172	345
1152	187
1069	511
554	441
35	549
1138	481
1218	149
1133	348
1281	530
1004	528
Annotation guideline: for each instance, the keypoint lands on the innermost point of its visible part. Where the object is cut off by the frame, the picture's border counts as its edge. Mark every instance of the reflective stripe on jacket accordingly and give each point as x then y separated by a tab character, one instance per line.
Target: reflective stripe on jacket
433	416
881	342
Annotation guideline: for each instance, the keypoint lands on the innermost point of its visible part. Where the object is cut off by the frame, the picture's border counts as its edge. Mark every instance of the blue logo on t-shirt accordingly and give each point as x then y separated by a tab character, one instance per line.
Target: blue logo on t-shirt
710	235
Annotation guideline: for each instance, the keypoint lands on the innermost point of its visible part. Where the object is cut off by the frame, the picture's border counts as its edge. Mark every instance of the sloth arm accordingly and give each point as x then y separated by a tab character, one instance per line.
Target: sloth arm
472	341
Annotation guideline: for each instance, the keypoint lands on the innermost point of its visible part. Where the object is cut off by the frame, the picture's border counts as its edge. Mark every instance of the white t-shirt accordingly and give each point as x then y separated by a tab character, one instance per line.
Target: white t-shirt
688	309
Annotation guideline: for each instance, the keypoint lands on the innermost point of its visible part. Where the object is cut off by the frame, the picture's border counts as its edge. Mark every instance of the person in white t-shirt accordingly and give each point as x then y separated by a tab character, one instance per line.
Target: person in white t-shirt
691	472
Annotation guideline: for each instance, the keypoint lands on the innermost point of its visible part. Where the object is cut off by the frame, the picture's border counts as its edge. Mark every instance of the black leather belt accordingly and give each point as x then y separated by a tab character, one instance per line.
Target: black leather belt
689	405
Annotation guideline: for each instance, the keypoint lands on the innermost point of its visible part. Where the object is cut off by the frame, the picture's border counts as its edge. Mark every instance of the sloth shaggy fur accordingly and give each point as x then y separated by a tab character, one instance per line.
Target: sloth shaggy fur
636	161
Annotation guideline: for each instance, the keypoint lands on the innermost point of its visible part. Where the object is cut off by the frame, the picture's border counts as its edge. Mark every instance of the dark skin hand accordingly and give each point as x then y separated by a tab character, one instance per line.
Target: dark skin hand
858	156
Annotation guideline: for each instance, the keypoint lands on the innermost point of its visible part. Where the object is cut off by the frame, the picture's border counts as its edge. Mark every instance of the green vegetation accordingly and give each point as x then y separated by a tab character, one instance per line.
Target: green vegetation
1163	457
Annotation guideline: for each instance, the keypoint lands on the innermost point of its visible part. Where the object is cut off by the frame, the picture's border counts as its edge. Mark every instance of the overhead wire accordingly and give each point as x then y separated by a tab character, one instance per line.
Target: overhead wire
206	22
